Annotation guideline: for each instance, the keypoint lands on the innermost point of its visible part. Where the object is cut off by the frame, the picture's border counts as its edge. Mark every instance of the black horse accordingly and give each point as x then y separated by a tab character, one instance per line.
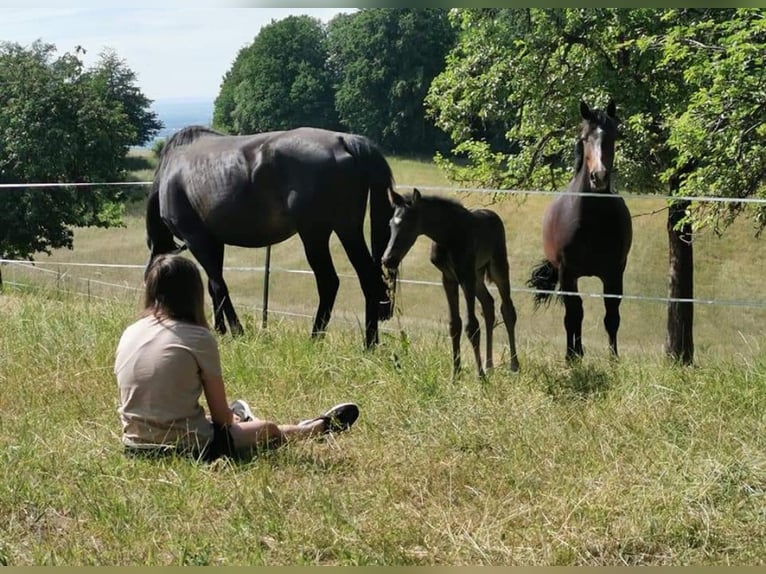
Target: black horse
587	235
468	246
212	190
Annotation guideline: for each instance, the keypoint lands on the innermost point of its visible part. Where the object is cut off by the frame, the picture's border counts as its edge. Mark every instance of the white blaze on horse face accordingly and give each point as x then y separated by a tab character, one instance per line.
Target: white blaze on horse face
597	171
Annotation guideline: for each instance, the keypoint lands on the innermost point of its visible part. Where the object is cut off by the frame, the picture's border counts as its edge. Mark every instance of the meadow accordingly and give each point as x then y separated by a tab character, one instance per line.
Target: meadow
629	462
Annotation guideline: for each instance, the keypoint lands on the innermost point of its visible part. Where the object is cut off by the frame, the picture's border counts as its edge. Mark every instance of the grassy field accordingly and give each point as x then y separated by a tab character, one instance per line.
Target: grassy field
607	463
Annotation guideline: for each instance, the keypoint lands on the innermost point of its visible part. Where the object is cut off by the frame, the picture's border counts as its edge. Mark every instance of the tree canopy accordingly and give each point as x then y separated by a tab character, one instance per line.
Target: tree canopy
281	81
385	60
365	72
60	122
689	87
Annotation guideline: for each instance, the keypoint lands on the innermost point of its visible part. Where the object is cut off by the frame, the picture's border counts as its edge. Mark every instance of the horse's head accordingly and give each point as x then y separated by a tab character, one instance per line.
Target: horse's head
405	227
599	132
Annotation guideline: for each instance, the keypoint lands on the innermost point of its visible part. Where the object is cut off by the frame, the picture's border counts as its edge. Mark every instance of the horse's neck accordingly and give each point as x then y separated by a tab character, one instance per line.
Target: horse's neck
442	223
581	183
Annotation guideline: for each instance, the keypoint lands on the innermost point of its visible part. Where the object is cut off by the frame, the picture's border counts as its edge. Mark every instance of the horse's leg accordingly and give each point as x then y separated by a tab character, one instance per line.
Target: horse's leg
316	245
500	275
452	291
472	330
370	279
219	292
573	315
209	254
612	286
488	310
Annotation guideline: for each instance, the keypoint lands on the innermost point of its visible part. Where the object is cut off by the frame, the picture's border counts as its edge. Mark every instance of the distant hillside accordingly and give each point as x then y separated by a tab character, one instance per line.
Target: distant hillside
177	113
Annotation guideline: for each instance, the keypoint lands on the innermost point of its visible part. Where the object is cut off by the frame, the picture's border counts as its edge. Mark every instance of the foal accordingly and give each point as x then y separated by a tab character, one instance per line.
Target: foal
468	245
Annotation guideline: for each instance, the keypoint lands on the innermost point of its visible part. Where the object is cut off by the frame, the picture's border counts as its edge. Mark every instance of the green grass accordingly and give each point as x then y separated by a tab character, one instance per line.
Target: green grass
635	462
605	463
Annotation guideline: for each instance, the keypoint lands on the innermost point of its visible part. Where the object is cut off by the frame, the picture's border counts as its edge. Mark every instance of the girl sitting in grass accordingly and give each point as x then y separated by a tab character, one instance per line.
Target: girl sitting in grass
168	358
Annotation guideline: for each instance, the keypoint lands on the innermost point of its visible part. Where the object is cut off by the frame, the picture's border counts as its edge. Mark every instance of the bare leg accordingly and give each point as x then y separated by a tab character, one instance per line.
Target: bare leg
260	433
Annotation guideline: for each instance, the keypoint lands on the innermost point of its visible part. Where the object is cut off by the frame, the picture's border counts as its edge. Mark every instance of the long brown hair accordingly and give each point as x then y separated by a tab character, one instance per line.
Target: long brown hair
173	290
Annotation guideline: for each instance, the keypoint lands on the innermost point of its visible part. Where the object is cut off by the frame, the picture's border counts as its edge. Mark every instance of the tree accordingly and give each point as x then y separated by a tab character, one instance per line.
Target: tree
689	89
61	123
384	60
281	81
114	81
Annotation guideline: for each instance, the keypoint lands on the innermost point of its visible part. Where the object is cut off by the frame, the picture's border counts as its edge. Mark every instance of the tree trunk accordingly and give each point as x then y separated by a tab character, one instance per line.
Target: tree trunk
679	341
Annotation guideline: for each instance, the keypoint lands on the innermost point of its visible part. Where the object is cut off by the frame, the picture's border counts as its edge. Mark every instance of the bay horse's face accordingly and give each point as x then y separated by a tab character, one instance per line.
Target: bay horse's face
599	132
405	227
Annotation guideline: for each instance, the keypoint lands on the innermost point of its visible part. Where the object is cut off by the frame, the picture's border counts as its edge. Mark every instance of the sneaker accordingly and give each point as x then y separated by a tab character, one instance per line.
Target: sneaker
338	418
242	410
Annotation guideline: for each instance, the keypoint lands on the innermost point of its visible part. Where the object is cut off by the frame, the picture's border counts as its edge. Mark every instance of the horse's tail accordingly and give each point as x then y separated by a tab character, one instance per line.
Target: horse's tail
380	180
159	238
545	276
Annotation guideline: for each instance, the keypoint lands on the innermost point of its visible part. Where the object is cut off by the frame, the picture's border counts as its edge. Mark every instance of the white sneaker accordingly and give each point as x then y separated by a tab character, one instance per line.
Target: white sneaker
242	410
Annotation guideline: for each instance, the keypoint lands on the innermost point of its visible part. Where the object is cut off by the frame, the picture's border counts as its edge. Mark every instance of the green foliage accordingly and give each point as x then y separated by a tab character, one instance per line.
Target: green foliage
116	82
688	83
281	81
61	123
158	146
722	130
385	60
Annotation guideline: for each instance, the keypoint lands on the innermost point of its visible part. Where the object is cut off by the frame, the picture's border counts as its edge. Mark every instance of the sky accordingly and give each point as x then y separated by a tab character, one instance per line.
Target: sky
179	49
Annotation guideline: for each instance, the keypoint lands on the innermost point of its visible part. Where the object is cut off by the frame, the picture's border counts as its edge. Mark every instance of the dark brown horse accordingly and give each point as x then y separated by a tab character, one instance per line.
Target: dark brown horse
587	235
468	246
212	190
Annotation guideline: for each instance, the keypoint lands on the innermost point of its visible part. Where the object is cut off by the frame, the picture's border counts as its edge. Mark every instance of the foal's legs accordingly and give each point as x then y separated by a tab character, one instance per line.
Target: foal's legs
316	245
501	277
488	310
370	279
452	291
472	330
573	315
612	286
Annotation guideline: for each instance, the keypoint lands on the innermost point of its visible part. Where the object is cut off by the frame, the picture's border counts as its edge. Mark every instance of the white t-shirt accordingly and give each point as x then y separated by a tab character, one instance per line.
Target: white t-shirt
160	366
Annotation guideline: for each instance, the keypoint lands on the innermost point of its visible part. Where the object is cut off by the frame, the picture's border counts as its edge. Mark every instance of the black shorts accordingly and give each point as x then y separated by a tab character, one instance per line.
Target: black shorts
221	445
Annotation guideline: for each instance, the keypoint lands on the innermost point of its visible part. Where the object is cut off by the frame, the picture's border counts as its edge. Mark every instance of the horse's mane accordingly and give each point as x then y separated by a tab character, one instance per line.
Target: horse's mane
188	135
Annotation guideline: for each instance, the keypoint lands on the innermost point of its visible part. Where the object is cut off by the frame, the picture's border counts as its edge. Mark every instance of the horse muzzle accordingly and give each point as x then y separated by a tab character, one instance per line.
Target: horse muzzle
599	180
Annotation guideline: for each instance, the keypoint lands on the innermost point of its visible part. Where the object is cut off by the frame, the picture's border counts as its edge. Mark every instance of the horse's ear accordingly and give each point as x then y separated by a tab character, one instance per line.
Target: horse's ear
394	198
611	108
415	195
585	111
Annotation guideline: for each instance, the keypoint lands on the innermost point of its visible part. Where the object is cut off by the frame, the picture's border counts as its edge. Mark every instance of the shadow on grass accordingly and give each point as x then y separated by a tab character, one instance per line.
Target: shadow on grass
578	381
